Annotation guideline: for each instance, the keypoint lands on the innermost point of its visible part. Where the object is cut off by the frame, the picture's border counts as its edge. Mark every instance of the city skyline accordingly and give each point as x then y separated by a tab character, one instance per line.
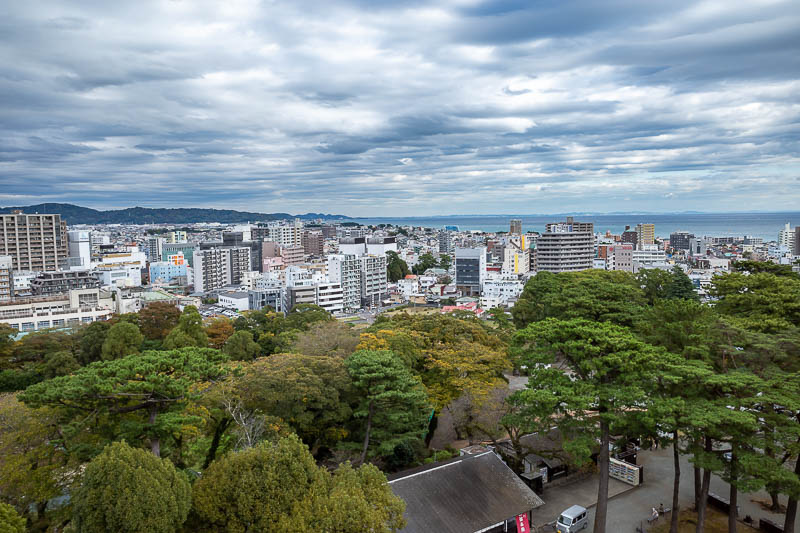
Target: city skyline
388	109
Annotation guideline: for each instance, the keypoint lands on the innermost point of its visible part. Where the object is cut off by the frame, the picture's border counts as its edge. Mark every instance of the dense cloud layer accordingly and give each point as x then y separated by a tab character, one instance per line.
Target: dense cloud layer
392	108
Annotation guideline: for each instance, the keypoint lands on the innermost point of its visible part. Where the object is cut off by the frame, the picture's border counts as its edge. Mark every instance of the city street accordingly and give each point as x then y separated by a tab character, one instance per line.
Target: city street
627	509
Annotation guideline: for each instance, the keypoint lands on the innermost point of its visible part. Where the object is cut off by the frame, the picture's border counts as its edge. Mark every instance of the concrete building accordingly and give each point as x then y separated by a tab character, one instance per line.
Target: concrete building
620	257
185	248
6	278
697	247
648	256
330	297
645	235
238	300
154	248
786	238
34	242
61	282
374	286
516	256
500	292
680	240
71	309
217	267
123	274
166	271
345	270
285	234
565	247
796	243
470	266
515	226
446	245
177	236
79	246
313	243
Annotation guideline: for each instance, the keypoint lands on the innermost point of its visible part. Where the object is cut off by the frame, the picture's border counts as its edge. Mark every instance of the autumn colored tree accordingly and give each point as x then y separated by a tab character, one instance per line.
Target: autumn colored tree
157	320
327	338
129	490
218	332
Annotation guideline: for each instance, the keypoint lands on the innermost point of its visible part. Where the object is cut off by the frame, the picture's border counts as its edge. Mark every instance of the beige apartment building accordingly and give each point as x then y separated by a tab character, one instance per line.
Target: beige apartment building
35	242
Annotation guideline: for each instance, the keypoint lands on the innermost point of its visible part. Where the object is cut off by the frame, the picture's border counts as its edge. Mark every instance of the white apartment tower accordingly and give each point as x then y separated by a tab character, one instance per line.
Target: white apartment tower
345	269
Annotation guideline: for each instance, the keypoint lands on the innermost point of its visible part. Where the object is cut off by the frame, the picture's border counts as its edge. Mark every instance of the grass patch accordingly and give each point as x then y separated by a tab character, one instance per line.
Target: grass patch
716	522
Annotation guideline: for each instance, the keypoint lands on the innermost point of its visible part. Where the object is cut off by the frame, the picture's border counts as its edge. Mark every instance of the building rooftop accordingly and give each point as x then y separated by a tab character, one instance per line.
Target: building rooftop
466	494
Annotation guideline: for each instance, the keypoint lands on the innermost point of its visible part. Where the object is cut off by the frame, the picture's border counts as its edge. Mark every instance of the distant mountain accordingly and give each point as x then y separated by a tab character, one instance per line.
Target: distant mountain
75	214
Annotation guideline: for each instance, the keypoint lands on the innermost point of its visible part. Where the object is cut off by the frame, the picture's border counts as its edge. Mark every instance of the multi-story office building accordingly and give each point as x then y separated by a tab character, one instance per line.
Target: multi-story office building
345	269
217	267
6	278
516	255
645	235
166	271
470	270
177	236
122	274
34	242
620	257
79	248
185	248
648	255
374	286
629	236
267	296
515	226
697	247
786	237
241	239
50	283
565	247
154	248
446	242
330	297
76	307
286	234
680	240
313	243
500	292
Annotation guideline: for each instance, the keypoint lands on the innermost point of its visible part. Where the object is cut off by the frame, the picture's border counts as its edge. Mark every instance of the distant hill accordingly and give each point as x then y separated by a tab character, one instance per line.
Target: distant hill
75	214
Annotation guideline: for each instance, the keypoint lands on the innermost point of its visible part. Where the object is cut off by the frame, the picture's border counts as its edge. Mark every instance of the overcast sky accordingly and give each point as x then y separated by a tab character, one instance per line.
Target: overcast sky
386	108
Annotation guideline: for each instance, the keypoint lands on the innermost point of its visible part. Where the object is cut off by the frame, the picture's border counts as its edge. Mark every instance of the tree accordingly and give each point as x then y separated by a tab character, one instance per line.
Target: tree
445	261
396	268
145	391
10	521
188	332
760	301
327	338
424	262
91	340
58	364
392	401
278	487
680	286
129	490
600	375
218	332
157	319
309	393
122	339
599	295
240	346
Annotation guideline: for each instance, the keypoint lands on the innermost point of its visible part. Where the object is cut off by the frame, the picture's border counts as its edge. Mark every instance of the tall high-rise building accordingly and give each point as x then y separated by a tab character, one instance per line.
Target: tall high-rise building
345	269
515	226
154	248
796	243
34	242
516	255
645	235
373	280
217	267
786	238
80	248
445	242
470	270
566	247
313	243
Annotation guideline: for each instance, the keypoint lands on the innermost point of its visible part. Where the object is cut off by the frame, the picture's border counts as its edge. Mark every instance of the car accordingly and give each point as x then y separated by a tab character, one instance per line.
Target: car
572	520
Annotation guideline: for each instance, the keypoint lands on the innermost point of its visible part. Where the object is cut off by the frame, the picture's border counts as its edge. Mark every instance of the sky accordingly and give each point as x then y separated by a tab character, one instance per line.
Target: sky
389	108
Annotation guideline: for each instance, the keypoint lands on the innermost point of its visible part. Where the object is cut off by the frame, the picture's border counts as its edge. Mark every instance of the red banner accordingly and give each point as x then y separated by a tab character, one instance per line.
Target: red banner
523	525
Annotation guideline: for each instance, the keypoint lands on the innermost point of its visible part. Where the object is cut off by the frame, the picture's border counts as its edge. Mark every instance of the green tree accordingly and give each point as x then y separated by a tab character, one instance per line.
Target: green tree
424	262
240	346
157	320
188	332
599	295
138	396
129	490
601	376
680	286
91	339
761	301
278	487
122	339
309	393
58	364
396	268
10	520
392	402
445	261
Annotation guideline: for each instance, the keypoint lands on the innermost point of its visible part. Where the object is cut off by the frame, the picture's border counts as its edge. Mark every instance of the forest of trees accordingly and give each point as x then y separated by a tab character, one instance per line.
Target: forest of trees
288	423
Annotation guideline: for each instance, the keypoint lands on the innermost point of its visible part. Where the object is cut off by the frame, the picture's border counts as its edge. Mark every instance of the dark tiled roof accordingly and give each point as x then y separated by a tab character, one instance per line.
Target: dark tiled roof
461	495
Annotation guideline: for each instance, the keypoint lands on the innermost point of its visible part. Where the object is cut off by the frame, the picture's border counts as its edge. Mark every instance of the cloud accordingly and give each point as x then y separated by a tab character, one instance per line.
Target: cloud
402	108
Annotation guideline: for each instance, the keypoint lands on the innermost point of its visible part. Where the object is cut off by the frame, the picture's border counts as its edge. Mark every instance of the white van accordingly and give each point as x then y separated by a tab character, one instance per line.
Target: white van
572	520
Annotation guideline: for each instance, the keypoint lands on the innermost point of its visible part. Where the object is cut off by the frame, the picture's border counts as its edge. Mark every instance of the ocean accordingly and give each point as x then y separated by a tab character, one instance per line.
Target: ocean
764	225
